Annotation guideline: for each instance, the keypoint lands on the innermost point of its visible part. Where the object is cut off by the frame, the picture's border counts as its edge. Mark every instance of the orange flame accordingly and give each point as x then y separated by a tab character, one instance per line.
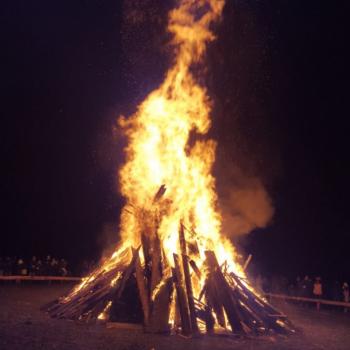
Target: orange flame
167	178
159	151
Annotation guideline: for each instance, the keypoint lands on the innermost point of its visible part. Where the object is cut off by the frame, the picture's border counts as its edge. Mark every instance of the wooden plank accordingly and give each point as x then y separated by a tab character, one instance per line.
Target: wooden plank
263	309
181	297
128	271
99	289
204	312
143	290
247	262
213	299
254	297
99	285
188	282
195	269
224	292
156	262
159	319
159	194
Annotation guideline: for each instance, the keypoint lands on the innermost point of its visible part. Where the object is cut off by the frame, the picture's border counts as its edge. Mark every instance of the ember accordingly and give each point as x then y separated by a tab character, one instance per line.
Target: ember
174	270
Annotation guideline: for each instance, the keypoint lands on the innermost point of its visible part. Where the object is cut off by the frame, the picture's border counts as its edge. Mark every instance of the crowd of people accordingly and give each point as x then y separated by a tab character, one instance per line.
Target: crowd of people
305	288
300	287
48	266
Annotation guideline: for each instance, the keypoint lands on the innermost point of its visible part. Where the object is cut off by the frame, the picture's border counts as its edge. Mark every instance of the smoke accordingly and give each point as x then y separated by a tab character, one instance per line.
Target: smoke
244	203
108	239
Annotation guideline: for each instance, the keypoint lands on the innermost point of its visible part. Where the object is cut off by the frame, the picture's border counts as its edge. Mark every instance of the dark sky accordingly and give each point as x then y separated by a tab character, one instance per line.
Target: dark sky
277	74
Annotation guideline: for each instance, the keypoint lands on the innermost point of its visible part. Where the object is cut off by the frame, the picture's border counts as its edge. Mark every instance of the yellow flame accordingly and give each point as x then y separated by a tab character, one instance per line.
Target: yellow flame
163	148
104	314
167	146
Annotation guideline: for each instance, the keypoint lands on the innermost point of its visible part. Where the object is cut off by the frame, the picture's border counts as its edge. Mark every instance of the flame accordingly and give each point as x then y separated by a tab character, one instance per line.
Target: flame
167	177
164	148
104	314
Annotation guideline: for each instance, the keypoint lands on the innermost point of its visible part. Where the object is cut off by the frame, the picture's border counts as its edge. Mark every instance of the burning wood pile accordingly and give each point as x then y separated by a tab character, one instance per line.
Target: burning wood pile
166	295
174	269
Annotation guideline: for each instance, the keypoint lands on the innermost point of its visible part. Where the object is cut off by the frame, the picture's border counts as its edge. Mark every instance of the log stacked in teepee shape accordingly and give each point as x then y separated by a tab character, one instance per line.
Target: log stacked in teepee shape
159	294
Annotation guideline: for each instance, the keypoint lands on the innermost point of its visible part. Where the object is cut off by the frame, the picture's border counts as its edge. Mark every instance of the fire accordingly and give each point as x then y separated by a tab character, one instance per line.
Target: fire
167	177
170	219
161	150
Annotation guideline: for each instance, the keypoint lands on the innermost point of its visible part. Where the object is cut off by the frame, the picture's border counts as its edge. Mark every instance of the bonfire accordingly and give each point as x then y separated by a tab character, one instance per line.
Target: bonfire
174	270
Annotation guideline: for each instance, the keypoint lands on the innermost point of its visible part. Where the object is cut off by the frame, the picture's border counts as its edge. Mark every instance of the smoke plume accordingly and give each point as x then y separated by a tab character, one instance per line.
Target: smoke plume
244	203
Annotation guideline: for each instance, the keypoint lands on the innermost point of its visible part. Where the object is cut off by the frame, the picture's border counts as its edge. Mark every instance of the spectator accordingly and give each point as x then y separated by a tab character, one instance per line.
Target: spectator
336	291
2	266
299	287
21	267
32	266
54	269
345	294
63	271
39	269
317	290
35	267
8	266
47	266
306	289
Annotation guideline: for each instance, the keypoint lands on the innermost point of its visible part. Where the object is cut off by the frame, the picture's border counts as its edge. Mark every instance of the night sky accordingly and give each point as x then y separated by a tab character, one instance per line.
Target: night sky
277	75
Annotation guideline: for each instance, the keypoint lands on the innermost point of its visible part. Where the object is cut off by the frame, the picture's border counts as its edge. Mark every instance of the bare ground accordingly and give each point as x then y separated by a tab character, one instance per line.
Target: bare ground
24	326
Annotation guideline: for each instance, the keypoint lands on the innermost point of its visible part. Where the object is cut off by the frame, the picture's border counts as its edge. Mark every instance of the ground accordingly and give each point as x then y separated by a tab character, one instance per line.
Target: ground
24	326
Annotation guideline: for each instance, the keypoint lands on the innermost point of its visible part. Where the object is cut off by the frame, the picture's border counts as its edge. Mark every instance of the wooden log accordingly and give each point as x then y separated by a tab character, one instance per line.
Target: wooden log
100	277
255	297
181	297
195	269
213	300
143	291
204	312
247	262
128	271
159	194
80	307
99	286
188	282
90	294
88	298
92	314
159	319
146	246
156	262
250	319
177	316
224	292
270	316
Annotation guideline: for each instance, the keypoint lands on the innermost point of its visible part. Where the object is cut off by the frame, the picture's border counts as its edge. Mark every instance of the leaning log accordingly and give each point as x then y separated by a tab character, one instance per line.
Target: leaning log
143	291
159	318
223	289
156	261
188	282
181	297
